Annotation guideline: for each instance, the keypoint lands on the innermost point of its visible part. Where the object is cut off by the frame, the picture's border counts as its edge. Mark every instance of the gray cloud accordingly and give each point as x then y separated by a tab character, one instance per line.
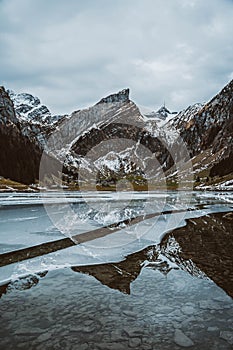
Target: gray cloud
71	53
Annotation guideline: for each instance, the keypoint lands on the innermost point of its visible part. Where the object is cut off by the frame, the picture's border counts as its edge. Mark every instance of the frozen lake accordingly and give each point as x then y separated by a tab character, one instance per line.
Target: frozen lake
163	281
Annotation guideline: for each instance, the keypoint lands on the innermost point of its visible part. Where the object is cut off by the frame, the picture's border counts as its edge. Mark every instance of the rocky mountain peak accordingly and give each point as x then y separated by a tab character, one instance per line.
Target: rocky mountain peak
161	114
24	98
29	109
163	109
121	96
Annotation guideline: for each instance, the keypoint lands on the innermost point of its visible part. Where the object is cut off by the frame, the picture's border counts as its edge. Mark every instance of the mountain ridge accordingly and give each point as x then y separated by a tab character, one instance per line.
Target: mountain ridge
206	129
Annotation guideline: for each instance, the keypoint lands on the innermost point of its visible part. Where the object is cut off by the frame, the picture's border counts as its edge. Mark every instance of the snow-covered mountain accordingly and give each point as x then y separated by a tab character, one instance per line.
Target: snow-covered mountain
34	118
162	113
161	116
29	108
206	130
90	137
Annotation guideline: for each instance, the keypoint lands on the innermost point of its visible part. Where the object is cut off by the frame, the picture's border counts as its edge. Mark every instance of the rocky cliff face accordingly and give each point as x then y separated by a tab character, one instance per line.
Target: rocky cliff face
208	132
19	156
208	125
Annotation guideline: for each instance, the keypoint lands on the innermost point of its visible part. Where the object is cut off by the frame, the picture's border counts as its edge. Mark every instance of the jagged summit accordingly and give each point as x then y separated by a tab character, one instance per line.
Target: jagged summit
164	109
121	96
161	114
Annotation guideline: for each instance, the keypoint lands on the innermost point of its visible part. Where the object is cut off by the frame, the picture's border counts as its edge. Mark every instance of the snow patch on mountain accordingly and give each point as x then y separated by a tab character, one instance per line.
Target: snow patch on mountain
223	186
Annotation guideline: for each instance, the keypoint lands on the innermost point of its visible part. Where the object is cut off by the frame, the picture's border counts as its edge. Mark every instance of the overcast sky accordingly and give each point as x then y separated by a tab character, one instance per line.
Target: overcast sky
71	53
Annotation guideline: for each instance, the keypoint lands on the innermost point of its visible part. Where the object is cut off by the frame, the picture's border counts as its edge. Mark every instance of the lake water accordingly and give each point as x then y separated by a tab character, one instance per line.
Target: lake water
161	282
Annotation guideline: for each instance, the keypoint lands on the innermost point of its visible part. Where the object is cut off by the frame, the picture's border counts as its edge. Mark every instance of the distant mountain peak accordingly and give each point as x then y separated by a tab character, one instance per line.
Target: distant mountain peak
121	96
161	114
163	110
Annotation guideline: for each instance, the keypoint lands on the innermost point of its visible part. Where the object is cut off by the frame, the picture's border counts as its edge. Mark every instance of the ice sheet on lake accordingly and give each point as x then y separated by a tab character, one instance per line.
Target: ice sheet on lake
113	247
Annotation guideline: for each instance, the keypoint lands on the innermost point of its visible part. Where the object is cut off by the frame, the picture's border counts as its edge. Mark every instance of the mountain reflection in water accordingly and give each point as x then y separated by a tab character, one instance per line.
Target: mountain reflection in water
203	248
